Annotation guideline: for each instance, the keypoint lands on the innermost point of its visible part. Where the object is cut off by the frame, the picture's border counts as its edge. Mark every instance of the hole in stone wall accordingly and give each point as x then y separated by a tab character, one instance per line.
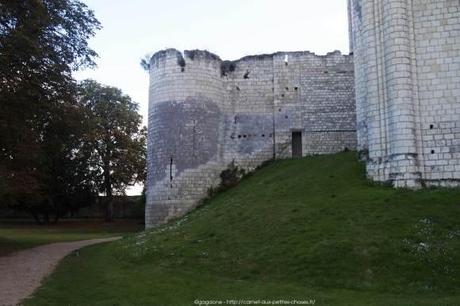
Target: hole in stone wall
431	126
246	75
239	136
287	88
296	88
263	135
286	117
432	151
244	136
279	109
282	95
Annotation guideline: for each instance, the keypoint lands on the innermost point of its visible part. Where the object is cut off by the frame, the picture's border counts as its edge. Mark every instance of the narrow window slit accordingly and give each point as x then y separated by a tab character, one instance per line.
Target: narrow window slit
170	170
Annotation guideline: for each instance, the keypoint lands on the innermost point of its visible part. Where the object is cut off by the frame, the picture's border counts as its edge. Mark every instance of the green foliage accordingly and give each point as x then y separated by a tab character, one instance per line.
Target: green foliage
115	139
231	176
145	62
41	42
306	228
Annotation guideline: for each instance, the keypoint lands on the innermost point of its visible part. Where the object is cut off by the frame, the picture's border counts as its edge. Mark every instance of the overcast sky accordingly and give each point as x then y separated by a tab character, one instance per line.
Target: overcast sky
229	28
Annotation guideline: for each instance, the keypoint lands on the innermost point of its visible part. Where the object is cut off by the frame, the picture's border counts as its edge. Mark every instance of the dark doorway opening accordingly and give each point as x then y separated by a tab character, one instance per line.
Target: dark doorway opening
296	144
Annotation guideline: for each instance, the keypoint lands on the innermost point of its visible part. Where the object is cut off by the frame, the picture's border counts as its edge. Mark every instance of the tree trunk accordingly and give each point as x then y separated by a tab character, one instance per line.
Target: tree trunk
108	196
55	208
36	217
46	217
108	179
56	217
109	209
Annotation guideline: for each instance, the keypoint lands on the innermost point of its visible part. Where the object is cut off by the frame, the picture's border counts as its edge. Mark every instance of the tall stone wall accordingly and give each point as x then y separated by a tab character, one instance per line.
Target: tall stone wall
205	113
407	75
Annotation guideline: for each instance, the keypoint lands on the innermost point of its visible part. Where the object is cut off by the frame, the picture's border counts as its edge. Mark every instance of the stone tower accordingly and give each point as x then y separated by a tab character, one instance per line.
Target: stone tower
205	113
407	82
185	112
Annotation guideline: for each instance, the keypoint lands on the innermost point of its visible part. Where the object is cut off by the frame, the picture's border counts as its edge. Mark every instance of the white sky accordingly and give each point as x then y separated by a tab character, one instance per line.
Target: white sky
229	28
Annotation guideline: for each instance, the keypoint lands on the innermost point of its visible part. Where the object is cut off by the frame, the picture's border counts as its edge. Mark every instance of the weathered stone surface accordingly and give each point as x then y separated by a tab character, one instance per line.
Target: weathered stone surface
407	74
205	113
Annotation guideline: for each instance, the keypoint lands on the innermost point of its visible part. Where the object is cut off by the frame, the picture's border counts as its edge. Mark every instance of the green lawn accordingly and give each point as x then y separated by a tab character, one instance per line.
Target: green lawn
298	229
16	235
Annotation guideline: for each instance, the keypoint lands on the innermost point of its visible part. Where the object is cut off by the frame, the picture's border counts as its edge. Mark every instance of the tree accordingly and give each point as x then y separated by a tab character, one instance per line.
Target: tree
68	177
117	142
41	42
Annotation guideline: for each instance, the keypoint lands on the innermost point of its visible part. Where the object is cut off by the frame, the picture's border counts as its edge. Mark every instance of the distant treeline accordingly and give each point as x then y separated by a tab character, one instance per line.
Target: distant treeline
124	207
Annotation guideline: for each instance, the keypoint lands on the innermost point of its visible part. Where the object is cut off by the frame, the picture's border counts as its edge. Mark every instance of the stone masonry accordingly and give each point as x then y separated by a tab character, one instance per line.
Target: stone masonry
407	75
205	113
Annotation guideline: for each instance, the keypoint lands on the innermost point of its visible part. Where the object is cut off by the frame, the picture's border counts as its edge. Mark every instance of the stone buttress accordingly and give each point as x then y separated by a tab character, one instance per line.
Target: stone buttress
407	81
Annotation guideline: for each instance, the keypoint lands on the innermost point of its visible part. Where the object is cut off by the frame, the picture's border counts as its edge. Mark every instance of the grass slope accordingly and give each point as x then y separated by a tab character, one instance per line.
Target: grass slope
312	228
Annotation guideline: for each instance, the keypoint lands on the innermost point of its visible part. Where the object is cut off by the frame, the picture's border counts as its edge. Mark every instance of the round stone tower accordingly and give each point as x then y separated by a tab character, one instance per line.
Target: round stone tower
185	108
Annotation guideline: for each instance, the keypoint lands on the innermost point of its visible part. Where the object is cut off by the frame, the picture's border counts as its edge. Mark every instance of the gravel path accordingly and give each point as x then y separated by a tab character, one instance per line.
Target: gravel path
22	272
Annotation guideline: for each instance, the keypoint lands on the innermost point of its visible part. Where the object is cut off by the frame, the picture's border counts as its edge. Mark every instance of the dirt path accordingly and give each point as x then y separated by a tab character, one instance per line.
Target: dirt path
22	272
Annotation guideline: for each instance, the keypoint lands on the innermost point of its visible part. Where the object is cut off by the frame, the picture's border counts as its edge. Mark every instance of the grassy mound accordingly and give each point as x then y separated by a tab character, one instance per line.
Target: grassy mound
311	228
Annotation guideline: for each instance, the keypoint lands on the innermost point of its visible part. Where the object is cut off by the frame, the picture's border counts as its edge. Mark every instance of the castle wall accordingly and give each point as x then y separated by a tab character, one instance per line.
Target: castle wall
407	68
315	95
437	45
249	138
205	113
